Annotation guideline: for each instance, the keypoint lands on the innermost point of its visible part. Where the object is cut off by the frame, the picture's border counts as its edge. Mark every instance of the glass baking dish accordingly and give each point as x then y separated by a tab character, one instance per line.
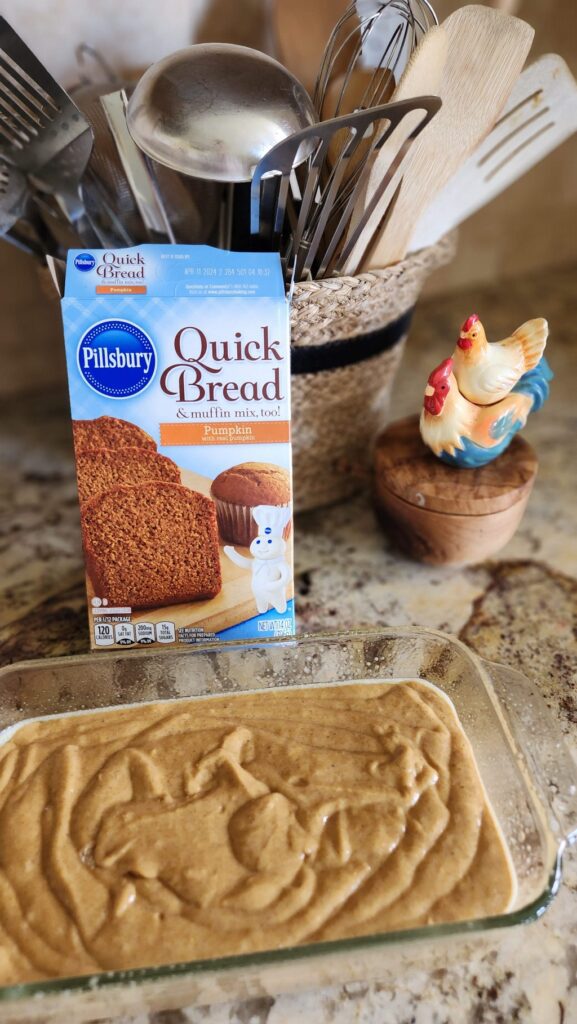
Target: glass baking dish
528	773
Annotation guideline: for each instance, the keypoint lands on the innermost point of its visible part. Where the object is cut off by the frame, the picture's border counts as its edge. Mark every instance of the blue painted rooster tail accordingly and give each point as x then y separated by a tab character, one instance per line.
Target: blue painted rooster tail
535	383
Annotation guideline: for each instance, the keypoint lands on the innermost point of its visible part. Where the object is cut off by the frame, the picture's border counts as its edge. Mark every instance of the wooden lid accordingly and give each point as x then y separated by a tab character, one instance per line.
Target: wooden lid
405	466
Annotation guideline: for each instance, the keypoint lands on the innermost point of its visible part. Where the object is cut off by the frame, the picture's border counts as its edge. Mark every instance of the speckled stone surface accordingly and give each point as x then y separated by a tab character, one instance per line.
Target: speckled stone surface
520	608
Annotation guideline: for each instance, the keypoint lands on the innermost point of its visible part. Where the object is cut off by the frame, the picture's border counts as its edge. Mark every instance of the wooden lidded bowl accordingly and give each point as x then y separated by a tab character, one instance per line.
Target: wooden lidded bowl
443	515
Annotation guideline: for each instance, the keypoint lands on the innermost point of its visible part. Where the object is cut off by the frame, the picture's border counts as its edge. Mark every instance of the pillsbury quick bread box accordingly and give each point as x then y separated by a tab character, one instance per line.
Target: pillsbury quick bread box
178	368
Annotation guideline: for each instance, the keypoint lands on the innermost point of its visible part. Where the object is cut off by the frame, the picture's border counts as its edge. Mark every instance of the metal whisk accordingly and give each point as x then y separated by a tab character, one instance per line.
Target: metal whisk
367	53
364	58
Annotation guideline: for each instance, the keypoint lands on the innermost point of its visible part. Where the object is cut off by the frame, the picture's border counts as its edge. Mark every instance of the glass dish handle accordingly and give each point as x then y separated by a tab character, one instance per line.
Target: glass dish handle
542	744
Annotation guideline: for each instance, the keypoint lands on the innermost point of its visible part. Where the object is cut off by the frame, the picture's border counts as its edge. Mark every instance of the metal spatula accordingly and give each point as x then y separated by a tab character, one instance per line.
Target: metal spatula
329	194
42	132
540	114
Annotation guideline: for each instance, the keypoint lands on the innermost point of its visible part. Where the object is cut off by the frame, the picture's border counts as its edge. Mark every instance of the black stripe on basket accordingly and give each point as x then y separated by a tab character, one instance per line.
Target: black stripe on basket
345	351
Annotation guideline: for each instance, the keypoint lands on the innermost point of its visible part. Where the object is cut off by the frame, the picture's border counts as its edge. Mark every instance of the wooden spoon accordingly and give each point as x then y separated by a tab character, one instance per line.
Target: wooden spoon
485	55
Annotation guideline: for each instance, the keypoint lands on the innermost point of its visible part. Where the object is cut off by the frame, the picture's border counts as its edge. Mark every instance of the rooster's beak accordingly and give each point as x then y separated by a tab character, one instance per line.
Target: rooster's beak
464	341
429	391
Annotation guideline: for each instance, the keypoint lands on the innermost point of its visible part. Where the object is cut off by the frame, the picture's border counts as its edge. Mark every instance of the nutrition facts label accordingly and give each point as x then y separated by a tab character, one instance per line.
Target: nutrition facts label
125	633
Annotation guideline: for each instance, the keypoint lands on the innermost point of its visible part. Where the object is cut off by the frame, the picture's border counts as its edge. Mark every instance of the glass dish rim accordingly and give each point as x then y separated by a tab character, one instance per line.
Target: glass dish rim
142	975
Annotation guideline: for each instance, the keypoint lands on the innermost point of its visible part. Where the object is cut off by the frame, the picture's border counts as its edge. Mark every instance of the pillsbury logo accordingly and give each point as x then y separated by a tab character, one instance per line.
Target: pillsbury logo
116	358
84	261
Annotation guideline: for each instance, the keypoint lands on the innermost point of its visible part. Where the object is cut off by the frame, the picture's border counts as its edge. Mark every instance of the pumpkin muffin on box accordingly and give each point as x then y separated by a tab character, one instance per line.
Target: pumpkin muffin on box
238	490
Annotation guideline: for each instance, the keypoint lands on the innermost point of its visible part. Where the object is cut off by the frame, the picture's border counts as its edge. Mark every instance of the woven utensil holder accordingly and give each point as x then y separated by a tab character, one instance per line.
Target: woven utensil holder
348	336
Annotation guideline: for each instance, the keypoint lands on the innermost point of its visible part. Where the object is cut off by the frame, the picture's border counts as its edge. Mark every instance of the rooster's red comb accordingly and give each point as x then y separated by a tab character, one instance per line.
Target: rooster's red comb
441	372
473	319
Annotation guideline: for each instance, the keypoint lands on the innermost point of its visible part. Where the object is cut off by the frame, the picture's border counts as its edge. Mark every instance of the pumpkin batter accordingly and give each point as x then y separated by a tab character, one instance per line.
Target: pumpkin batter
192	829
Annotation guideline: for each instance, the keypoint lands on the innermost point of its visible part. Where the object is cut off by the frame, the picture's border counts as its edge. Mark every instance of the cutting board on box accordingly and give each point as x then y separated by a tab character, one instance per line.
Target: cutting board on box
234	604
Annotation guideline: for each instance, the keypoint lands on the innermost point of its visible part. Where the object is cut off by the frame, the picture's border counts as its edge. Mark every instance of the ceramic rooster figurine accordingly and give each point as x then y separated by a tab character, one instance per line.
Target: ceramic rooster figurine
469	434
487	372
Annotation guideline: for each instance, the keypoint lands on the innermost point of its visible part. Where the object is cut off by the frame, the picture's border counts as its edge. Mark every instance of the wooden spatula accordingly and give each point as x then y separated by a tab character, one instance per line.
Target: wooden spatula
485	54
421	77
540	114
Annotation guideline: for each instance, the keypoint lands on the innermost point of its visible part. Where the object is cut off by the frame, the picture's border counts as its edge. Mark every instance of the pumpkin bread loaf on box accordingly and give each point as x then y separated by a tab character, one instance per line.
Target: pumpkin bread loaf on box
109	432
99	469
151	545
238	490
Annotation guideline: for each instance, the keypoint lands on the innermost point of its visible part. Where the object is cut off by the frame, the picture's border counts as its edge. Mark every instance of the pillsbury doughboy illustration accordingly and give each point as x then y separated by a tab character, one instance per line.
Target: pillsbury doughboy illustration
270	571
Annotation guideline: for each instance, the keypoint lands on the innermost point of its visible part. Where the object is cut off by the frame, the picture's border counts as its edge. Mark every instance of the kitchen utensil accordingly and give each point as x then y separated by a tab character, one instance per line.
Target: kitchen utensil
102	214
105	165
63	234
527	771
422	74
377	41
191	204
42	132
321	196
13	195
136	169
364	87
213	110
20	223
99	227
301	30
93	71
27	235
541	113
57	271
358	92
485	54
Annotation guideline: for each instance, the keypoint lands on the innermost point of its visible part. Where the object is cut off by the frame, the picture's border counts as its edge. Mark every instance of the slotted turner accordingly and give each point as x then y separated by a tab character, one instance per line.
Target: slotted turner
42	132
328	198
540	114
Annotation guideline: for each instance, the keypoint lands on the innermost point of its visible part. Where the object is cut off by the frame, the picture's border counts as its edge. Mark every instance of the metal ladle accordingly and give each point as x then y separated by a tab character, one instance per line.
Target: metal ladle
213	110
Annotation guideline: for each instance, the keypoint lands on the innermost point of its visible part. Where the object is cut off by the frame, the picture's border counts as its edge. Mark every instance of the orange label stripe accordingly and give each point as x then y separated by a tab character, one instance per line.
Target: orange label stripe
225	432
121	289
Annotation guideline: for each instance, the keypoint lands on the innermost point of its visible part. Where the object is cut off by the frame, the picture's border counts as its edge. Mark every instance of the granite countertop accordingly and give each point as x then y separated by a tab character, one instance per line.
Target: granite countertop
520	608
